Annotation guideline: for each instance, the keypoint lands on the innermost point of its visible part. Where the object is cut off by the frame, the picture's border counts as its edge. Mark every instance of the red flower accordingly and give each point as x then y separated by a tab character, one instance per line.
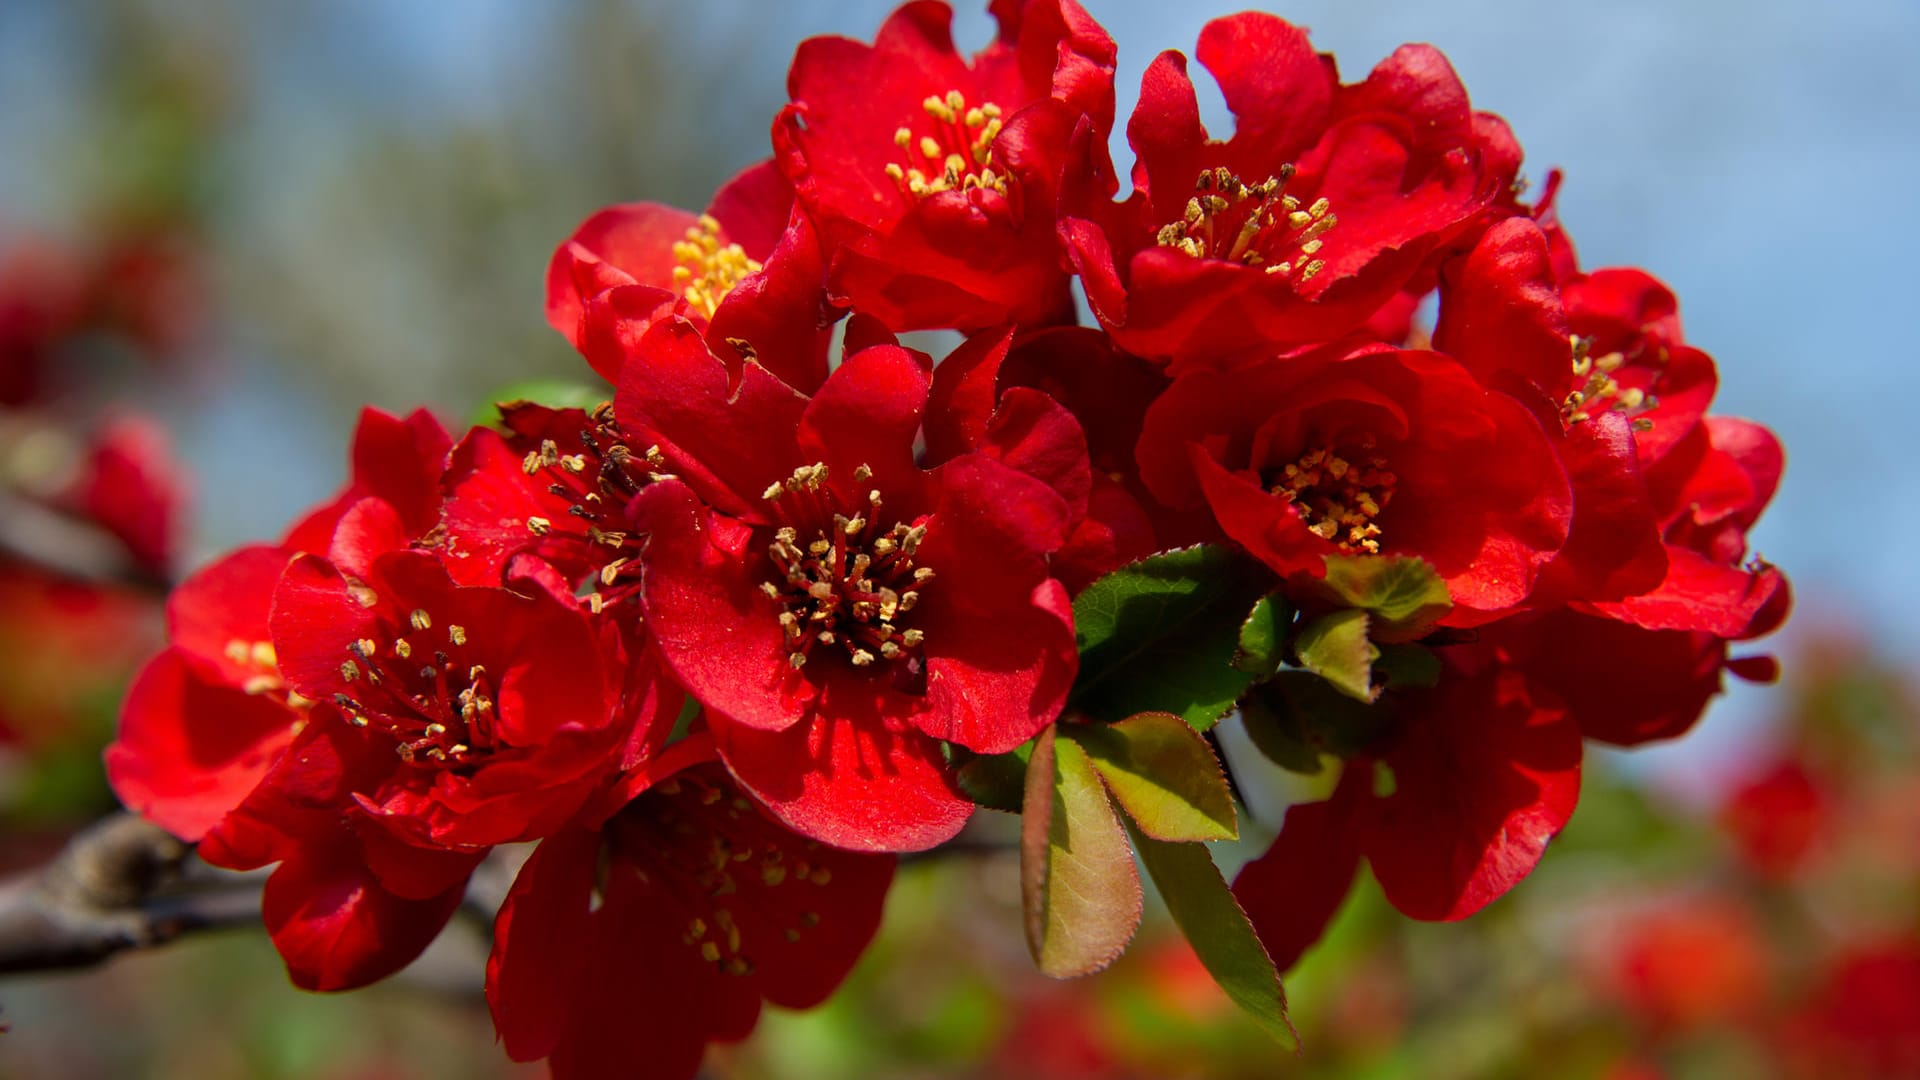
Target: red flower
555	485
663	929
1594	344
748	271
1380	451
1707	493
1327	200
495	705
204	721
1689	963
1473	781
1777	817
1864	1017
933	181
131	485
837	607
1622	683
992	379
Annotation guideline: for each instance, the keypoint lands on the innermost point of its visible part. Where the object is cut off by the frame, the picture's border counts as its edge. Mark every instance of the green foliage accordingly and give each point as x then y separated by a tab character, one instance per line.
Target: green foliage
1163	774
1161	634
1403	592
553	393
1298	716
1263	637
1336	648
995	781
1204	908
1078	884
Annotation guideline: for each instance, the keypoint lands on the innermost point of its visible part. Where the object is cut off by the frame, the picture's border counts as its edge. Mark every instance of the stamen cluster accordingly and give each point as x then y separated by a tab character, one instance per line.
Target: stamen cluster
842	579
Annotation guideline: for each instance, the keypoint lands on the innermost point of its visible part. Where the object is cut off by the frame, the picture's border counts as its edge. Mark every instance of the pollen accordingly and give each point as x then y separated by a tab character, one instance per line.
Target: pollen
1597	387
841	580
708	270
950	148
1339	494
1253	225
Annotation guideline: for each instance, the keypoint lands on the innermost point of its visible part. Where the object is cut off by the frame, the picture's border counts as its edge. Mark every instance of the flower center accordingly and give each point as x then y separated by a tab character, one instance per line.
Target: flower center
696	838
1259	225
1339	495
708	269
840	578
440	713
952	151
592	488
1596	389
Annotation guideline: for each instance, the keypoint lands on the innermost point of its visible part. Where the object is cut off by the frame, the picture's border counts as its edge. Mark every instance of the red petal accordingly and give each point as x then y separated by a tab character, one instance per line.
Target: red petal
190	750
625	244
542	944
867	413
224	603
727	442
849	778
713	625
1293	891
1279	90
337	929
1485	774
963	395
400	461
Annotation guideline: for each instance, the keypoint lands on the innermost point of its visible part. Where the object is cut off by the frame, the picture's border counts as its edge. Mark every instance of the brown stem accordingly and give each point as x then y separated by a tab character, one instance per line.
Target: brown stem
120	884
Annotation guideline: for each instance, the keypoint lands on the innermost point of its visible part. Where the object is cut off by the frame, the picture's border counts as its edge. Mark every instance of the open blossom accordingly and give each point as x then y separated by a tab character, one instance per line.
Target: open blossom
748	270
206	719
1327	200
495	703
1378	452
832	602
664	928
1453	805
934	180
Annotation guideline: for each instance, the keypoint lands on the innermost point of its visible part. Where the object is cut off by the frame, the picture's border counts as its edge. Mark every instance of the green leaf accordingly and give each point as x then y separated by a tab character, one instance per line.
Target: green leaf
1214	924
1406	665
1078	883
1163	774
553	393
1278	734
1335	647
995	781
1404	592
1299	716
1159	635
1263	637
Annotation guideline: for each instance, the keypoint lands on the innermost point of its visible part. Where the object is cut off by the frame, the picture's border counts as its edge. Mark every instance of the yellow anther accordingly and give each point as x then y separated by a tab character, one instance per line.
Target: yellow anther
708	269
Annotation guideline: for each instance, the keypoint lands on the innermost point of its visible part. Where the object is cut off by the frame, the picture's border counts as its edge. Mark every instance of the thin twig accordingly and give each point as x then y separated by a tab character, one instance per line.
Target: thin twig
69	546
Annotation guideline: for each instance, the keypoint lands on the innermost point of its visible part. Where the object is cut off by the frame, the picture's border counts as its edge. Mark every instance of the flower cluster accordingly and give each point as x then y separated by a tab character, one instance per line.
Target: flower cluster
795	596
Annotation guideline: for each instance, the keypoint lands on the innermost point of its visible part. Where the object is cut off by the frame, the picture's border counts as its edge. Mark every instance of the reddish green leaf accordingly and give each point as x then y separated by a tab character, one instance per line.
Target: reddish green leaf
1335	647
1214	924
1163	774
1404	592
1078	883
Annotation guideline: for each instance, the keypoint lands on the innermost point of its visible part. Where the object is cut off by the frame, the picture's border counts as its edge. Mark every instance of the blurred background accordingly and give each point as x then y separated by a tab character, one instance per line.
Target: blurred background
225	226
